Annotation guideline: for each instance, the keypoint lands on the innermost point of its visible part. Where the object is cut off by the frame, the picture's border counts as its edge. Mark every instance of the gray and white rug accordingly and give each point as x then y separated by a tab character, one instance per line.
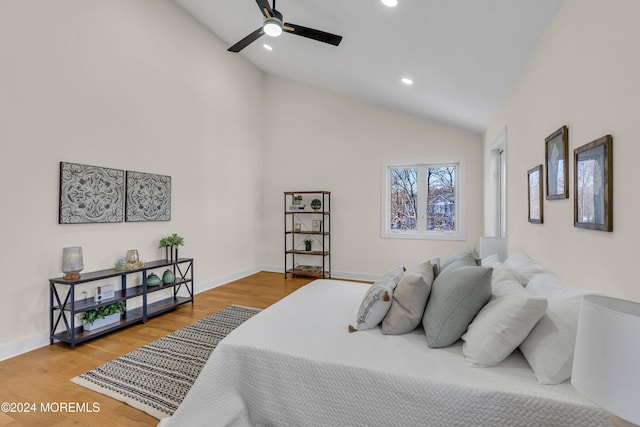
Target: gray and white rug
155	378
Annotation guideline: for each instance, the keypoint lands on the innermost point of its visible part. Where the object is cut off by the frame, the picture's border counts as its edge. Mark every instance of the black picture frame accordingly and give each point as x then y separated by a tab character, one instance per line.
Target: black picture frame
593	183
556	154
535	199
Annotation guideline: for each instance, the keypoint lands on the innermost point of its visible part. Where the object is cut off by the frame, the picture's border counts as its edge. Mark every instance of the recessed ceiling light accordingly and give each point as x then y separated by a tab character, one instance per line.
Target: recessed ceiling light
407	81
390	3
266	46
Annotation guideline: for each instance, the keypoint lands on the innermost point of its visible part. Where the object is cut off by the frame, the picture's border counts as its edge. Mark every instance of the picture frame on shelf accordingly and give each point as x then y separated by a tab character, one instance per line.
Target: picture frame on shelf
556	153
534	183
297	227
593	183
316	225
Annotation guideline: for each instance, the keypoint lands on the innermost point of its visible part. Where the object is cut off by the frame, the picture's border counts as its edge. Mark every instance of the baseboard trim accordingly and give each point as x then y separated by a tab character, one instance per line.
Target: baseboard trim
16	348
334	274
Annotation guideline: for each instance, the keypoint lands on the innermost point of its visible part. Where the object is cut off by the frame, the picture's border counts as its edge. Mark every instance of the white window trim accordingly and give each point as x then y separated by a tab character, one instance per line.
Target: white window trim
461	205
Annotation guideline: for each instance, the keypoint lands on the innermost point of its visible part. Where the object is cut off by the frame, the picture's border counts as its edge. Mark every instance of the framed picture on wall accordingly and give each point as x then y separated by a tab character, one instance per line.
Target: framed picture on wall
534	180
556	152
593	183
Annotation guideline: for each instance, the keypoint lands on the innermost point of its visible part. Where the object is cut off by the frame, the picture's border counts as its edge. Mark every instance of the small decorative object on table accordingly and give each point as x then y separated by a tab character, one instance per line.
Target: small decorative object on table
121	264
104	293
153	280
104	315
316	204
133	260
72	263
168	276
170	245
307	244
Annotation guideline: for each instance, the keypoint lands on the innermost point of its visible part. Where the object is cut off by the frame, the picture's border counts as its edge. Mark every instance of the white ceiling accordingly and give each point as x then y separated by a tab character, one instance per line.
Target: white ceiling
463	55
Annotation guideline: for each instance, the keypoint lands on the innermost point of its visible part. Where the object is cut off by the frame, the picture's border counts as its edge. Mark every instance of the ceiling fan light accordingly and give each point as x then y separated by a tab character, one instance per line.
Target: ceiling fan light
272	27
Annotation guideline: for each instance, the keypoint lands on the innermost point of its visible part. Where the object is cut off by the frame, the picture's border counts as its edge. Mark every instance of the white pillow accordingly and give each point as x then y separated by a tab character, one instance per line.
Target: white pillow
500	271
502	324
377	301
550	345
523	267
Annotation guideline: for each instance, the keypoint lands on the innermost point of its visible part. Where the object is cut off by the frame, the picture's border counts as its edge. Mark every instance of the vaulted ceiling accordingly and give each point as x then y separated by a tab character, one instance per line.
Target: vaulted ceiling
462	55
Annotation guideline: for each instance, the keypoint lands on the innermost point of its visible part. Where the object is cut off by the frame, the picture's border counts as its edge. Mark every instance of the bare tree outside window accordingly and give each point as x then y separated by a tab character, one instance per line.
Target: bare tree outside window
441	198
404	199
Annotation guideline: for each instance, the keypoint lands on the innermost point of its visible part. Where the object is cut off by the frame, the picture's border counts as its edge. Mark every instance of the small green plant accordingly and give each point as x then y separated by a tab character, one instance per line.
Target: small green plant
307	244
104	311
172	241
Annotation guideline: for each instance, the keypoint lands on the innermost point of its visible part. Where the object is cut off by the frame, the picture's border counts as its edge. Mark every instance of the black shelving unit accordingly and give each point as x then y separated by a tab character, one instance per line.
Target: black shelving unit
64	306
293	238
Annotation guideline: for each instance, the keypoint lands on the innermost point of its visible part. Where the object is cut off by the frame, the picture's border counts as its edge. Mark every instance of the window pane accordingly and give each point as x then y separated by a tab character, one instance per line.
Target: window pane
404	198
441	199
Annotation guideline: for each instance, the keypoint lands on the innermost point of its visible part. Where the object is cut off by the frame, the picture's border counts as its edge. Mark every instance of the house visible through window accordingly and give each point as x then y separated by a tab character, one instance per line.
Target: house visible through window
421	201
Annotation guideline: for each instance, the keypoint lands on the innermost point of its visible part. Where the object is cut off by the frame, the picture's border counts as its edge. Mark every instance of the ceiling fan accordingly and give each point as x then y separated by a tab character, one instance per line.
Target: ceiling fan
273	26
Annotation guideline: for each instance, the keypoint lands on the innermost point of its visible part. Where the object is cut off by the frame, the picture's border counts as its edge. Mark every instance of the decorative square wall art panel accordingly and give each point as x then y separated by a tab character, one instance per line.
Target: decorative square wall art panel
90	194
148	197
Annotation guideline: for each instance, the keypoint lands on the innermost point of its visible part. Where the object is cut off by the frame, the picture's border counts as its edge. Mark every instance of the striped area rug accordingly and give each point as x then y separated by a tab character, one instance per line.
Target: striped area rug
155	378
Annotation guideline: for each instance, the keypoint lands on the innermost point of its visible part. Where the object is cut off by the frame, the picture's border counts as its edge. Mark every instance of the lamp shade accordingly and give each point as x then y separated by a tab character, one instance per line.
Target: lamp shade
72	262
606	365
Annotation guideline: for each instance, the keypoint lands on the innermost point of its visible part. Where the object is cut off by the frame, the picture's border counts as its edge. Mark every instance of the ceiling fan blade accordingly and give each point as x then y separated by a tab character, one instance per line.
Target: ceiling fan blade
246	41
310	33
265	8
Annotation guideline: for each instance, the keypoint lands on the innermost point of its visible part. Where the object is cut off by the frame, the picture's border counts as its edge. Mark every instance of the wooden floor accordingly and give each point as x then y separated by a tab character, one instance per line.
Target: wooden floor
43	375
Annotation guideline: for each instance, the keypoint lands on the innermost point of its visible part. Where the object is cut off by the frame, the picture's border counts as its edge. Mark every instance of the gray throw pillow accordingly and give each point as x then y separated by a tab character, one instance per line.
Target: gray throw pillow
377	301
465	258
409	300
457	295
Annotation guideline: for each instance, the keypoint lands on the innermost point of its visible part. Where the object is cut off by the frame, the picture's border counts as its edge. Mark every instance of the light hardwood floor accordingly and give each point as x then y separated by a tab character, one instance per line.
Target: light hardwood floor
43	376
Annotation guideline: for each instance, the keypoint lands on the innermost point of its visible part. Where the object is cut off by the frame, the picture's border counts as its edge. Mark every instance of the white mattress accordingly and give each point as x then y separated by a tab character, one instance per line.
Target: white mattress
295	364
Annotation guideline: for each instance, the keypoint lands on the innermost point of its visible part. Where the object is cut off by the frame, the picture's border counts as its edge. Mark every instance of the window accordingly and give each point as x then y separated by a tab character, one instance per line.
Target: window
423	201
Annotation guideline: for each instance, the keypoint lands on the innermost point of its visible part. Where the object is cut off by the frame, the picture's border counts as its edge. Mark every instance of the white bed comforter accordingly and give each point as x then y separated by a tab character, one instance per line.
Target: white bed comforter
295	364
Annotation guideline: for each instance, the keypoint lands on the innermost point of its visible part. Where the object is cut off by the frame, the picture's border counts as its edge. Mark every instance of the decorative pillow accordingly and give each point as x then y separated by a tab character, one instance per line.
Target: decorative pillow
377	301
550	345
458	293
523	267
502	324
409	301
435	262
500	271
467	256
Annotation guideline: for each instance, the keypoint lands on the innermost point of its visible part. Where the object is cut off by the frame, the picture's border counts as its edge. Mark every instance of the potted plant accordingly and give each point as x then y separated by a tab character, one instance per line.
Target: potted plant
103	315
307	244
170	245
316	204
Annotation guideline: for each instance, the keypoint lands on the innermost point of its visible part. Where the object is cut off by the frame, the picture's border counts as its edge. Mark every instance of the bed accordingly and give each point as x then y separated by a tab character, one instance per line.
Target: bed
296	364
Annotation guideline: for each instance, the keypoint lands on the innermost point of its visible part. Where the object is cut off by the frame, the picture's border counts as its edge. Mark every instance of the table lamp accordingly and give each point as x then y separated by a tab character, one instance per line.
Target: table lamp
72	263
606	364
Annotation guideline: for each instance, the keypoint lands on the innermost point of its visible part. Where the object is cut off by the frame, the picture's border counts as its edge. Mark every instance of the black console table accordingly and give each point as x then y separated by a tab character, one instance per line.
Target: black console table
64	305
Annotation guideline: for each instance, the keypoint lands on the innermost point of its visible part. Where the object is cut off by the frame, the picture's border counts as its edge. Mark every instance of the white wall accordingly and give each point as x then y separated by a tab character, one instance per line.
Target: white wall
320	140
584	74
127	84
139	85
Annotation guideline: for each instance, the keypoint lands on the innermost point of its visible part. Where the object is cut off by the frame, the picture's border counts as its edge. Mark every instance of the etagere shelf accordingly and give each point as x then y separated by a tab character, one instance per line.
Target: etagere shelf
64	306
306	220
